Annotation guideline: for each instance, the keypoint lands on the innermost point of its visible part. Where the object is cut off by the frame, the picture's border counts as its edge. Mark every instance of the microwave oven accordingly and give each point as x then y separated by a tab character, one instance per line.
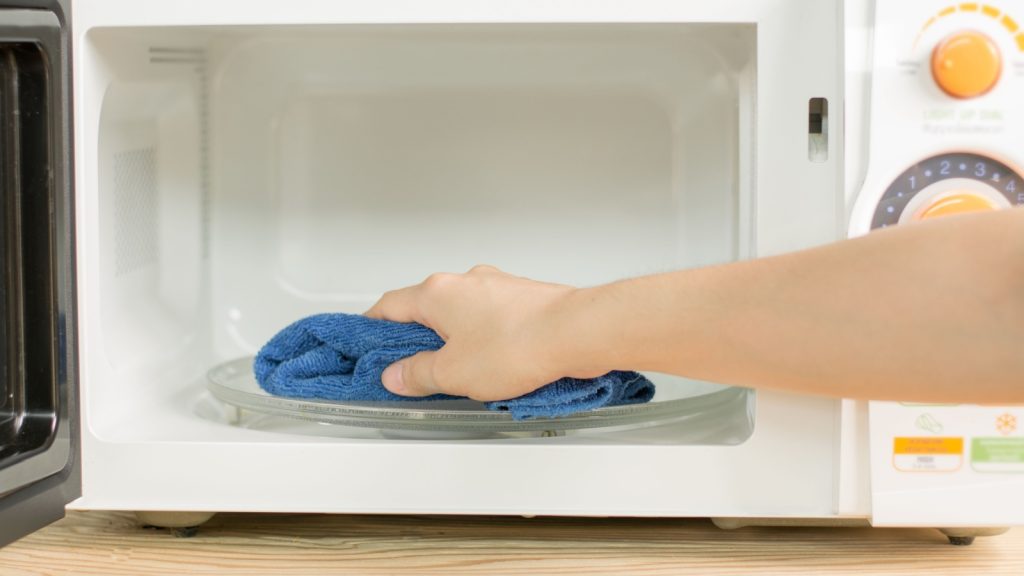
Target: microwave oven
182	179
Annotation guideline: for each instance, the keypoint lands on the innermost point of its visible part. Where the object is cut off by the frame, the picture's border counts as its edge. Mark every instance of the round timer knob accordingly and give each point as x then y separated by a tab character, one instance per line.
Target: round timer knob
966	64
955	203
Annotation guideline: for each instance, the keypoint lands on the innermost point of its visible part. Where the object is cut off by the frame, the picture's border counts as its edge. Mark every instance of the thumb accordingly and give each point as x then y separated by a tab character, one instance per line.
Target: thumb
412	376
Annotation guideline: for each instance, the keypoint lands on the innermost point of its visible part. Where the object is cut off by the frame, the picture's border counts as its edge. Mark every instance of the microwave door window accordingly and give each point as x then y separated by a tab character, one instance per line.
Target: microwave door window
29	405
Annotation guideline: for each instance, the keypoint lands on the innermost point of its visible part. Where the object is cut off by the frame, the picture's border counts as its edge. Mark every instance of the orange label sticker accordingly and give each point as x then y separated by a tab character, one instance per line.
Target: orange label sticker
926	445
928	454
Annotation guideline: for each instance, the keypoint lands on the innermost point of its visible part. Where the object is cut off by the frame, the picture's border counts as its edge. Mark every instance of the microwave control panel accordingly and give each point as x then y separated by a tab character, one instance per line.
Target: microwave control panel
945	137
946	119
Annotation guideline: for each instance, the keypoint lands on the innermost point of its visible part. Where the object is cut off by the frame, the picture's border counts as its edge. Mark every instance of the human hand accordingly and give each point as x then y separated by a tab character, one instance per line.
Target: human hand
501	335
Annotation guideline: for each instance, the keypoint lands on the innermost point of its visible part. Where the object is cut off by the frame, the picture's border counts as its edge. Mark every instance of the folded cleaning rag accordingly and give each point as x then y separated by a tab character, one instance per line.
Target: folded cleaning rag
341	357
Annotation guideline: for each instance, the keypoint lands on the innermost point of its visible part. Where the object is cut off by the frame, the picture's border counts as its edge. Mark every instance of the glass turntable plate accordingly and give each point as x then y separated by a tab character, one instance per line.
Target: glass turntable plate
233	382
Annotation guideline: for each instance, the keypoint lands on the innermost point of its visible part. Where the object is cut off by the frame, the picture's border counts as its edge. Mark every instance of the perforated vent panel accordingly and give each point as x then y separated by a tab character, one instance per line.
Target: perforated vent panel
135	209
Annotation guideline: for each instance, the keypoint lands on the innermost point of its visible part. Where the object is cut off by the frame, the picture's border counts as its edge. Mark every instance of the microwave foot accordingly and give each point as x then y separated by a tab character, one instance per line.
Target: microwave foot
966	536
181	524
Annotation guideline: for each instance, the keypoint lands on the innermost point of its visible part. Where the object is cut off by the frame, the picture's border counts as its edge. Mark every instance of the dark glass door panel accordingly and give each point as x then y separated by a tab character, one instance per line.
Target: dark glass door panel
38	407
29	414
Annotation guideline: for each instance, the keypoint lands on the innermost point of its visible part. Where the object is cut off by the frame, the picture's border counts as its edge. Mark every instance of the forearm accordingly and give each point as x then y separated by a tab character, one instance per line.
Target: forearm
930	312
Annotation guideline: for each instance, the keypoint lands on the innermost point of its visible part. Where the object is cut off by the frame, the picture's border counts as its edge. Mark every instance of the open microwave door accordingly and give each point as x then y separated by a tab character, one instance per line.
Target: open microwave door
38	408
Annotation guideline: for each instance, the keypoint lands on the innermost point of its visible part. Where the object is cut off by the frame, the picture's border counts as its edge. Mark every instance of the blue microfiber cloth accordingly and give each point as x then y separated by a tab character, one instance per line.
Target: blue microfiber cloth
341	357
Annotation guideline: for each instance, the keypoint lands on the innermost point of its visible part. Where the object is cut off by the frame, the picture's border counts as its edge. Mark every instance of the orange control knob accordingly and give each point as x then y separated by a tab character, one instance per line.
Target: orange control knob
955	203
966	64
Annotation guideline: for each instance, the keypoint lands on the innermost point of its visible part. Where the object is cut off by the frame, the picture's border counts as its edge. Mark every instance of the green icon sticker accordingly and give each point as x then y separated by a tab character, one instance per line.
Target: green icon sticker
998	454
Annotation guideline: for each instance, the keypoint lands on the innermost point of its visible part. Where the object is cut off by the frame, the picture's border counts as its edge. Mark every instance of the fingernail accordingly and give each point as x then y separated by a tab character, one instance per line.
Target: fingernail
391	378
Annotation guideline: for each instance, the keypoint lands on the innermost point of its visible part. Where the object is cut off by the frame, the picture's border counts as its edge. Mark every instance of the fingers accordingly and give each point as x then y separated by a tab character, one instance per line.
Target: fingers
412	376
398	306
407	304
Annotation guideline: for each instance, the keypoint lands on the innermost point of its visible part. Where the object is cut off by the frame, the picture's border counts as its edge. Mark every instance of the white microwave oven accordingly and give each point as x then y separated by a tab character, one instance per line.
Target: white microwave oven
182	179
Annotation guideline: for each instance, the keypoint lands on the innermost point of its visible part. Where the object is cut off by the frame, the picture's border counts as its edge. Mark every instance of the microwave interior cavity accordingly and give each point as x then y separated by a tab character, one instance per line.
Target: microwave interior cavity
249	176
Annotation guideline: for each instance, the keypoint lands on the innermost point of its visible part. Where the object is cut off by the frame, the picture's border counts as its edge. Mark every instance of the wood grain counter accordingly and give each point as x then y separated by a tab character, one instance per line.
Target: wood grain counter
113	543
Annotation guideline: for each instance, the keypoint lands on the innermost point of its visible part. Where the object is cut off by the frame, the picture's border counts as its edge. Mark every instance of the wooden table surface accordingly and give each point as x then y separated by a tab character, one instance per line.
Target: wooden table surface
113	543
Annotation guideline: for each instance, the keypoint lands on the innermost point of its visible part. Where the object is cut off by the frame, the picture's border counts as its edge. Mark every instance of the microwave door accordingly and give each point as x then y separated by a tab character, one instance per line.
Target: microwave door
38	409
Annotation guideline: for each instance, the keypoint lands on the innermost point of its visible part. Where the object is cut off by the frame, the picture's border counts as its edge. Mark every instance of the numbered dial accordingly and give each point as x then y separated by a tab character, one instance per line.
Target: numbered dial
949	184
